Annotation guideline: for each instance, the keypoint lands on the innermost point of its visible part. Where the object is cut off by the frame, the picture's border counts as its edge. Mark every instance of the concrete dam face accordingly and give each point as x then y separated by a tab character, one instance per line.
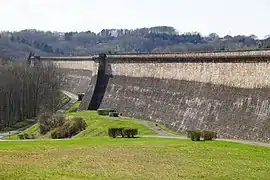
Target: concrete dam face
231	97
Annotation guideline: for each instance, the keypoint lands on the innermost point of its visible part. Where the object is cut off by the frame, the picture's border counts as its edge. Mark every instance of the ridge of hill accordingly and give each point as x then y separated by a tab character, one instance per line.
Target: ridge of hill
17	45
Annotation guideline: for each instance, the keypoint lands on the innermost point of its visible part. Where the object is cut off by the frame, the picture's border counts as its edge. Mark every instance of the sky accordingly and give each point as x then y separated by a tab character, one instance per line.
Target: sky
224	17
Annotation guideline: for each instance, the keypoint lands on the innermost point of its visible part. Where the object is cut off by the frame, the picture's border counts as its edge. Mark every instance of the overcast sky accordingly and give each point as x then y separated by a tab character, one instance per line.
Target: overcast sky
205	16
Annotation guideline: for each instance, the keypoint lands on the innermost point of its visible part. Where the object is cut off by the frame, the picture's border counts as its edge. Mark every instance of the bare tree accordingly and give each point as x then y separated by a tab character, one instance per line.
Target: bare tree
27	91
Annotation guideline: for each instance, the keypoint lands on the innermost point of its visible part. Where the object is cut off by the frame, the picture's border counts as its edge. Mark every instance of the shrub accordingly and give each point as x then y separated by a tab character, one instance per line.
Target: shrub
21	136
79	123
194	135
57	134
56	120
29	136
113	114
105	112
44	122
209	135
129	132
26	136
69	128
48	122
114	132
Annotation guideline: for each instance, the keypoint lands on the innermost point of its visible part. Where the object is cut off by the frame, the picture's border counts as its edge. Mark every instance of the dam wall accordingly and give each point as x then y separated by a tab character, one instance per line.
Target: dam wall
231	96
77	75
76	81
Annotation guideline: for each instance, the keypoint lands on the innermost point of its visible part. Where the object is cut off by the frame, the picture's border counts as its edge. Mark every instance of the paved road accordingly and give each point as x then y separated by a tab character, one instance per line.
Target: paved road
73	98
164	134
17	131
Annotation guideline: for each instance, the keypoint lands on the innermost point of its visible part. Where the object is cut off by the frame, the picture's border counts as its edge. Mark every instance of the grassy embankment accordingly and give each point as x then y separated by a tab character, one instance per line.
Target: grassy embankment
96	125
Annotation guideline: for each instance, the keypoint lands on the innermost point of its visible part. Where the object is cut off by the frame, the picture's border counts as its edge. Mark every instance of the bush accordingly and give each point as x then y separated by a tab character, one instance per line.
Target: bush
79	123
58	134
26	136
105	112
129	132
48	122
209	135
57	120
29	136
21	136
69	128
113	114
114	132
44	122
194	135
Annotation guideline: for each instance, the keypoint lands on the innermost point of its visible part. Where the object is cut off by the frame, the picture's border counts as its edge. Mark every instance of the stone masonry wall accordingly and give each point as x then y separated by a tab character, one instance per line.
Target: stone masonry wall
246	75
181	105
76	80
231	98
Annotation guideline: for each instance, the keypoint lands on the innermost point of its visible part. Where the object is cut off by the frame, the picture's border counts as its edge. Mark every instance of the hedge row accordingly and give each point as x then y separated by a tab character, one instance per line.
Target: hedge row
105	112
108	112
195	135
124	132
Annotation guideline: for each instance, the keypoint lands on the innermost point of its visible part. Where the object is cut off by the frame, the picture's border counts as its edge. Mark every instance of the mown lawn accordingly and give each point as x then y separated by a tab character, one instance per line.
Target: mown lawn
96	126
139	158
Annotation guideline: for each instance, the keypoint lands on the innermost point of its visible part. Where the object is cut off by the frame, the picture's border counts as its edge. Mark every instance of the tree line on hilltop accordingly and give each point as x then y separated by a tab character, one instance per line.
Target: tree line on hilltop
16	45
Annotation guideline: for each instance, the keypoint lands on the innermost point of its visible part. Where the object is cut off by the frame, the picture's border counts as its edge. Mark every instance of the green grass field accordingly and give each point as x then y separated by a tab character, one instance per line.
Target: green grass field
90	155
96	126
139	158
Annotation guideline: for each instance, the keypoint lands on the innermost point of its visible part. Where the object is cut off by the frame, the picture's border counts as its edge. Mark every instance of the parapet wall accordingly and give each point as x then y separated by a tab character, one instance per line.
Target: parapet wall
245	75
232	98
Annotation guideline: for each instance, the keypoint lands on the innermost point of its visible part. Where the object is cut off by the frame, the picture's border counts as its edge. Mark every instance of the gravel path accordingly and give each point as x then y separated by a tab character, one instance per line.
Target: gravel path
160	133
163	134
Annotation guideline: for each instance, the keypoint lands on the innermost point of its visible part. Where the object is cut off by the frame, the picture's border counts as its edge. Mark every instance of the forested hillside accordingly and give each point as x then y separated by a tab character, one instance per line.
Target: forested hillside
17	45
